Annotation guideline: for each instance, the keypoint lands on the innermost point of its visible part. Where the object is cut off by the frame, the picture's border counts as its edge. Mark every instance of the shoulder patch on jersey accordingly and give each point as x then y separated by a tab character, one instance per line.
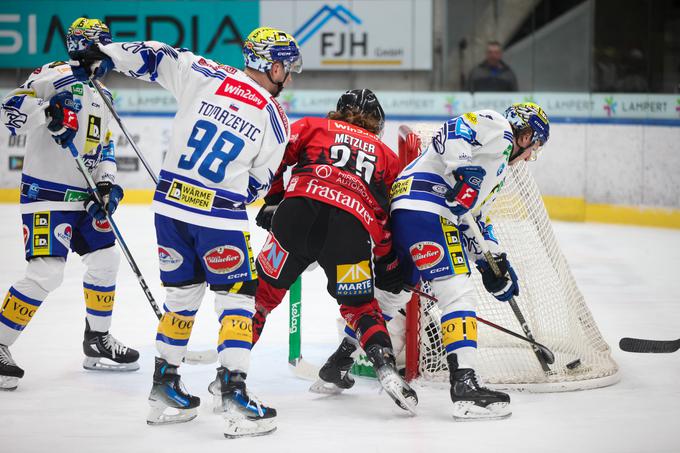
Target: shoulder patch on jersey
282	112
216	66
471	117
56	64
241	91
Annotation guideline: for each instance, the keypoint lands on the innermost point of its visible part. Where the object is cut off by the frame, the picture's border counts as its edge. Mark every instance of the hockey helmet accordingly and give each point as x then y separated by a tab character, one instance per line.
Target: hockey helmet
266	45
365	101
525	116
84	32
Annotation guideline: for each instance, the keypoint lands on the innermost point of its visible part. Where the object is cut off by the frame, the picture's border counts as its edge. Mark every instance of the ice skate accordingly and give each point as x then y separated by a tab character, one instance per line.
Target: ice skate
10	373
104	353
169	393
474	402
244	415
334	376
395	386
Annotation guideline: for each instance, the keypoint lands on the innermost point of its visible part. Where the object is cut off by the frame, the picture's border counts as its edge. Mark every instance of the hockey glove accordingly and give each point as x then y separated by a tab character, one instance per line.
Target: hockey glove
265	216
63	119
464	194
504	287
89	63
388	273
111	195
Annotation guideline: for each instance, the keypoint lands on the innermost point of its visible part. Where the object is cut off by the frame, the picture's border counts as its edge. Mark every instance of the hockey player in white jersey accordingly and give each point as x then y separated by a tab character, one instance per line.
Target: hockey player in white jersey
53	109
462	170
228	138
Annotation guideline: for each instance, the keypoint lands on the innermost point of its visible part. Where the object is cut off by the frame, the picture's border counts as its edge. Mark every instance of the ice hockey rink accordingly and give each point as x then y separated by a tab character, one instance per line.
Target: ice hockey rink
627	274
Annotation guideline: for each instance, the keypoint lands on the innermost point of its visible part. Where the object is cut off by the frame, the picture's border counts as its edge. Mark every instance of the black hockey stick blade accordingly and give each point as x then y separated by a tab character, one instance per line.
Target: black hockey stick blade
649	346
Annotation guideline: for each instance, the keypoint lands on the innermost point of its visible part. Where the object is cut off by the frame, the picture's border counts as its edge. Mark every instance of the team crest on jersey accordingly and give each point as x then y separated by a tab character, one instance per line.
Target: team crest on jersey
63	232
354	279
223	259
190	195
272	257
323	171
102	226
243	92
169	259
401	187
426	254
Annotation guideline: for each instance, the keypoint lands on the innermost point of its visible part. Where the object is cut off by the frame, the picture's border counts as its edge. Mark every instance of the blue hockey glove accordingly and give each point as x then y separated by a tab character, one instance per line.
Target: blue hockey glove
63	119
504	287
111	195
89	63
464	194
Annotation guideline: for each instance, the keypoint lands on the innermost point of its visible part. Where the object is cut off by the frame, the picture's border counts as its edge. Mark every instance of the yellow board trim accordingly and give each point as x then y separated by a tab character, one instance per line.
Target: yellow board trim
571	209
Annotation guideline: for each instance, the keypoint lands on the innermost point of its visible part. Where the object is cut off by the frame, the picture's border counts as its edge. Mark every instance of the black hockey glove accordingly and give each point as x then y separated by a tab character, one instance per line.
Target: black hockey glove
265	216
504	287
111	195
388	273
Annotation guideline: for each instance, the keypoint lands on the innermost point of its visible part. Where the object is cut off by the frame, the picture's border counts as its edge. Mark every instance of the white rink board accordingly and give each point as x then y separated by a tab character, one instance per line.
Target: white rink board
628	276
601	163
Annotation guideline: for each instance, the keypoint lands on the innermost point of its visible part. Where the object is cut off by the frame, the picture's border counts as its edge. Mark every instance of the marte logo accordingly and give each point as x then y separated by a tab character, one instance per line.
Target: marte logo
169	259
63	232
426	254
223	259
353	279
323	171
272	257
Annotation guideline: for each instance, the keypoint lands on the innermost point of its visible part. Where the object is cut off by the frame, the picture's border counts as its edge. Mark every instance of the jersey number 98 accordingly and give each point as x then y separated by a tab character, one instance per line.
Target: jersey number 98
215	162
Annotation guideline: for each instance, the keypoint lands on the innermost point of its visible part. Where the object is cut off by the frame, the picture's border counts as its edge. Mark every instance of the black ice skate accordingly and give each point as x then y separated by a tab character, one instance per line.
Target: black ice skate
334	376
395	386
244	414
115	355
169	393
10	373
471	401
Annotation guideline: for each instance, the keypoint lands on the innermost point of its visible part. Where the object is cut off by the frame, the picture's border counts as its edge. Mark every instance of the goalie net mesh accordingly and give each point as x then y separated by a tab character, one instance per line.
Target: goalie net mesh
552	304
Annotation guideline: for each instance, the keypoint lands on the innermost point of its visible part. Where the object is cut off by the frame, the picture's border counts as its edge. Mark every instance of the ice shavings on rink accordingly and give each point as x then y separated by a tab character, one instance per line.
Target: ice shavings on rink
628	276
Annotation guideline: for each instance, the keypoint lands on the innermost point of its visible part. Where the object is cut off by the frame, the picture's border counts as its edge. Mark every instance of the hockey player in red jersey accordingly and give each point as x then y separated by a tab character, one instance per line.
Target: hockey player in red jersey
335	211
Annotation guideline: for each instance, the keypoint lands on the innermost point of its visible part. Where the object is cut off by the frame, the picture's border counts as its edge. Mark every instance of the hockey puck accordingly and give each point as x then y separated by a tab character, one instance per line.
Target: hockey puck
574	364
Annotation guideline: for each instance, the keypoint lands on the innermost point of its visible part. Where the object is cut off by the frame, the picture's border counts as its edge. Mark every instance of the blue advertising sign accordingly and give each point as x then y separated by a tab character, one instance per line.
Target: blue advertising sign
32	32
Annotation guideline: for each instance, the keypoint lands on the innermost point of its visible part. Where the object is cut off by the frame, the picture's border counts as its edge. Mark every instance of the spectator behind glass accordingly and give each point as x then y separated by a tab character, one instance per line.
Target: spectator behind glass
492	74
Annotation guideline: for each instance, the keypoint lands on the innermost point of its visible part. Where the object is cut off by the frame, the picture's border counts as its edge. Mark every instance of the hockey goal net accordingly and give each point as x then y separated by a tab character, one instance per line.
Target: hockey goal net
549	299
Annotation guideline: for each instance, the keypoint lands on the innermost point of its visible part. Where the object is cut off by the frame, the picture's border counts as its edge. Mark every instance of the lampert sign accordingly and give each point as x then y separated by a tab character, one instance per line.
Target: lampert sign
367	34
32	32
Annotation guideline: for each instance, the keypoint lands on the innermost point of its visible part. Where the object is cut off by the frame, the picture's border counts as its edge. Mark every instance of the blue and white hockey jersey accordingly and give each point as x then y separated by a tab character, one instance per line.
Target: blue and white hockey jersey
228	135
50	180
483	138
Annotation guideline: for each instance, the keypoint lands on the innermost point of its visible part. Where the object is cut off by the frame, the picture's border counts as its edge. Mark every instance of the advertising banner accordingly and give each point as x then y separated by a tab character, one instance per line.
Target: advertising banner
32	32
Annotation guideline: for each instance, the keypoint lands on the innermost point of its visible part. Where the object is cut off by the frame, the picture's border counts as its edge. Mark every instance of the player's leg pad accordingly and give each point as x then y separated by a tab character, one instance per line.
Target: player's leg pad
390	380
244	415
103	352
169	401
334	376
10	373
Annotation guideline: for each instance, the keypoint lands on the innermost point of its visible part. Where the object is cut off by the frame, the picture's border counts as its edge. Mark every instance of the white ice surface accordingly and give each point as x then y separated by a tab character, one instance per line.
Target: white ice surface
629	276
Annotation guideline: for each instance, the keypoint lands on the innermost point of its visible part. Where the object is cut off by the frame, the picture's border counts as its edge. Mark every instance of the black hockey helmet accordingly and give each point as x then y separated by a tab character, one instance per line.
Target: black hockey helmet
364	100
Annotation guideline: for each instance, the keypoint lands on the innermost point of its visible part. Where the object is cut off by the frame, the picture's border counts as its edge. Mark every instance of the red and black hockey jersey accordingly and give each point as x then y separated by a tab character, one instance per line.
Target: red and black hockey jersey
343	165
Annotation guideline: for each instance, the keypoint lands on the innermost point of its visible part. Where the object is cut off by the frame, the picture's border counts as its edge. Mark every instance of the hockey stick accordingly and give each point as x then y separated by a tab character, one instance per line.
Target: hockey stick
547	353
97	86
300	367
542	359
191	356
653	346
